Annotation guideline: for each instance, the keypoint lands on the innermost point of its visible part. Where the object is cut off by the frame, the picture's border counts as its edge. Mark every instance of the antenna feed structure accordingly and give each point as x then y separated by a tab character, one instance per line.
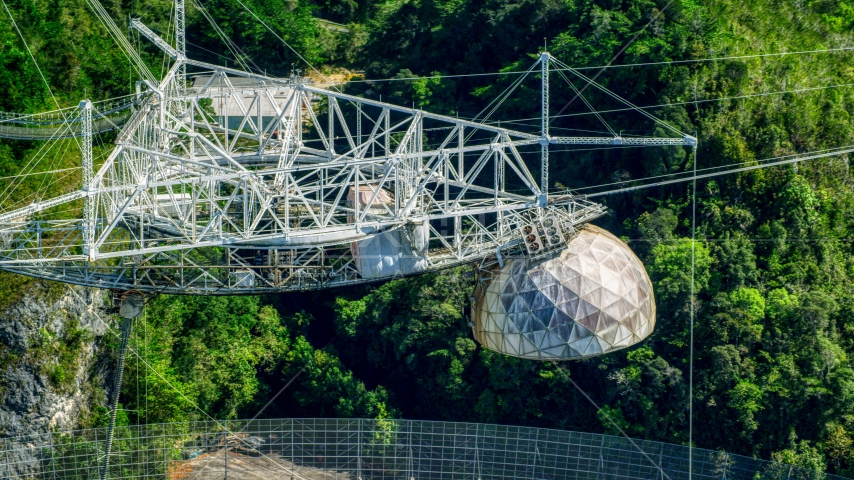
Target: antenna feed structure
237	182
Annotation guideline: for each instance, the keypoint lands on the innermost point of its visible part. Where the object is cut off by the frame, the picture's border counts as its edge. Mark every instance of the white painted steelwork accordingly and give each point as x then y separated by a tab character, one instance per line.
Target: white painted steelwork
224	186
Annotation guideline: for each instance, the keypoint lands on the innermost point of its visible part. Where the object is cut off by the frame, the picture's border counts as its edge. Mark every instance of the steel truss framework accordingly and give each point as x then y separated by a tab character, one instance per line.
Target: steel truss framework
243	183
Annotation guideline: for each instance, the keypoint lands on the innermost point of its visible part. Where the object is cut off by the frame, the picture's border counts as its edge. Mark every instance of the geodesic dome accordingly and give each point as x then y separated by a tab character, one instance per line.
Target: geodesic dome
594	298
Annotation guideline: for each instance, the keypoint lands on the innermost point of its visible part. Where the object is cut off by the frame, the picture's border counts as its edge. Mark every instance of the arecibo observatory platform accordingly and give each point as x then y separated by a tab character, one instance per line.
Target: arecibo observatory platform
227	182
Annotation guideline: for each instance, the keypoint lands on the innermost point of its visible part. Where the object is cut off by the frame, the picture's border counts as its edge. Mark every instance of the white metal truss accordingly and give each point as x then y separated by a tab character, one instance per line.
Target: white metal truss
545	140
243	183
180	44
89	205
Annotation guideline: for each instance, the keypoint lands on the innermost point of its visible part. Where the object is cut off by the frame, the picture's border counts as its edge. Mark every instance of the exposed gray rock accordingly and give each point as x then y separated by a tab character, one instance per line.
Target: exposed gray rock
41	307
37	394
22	459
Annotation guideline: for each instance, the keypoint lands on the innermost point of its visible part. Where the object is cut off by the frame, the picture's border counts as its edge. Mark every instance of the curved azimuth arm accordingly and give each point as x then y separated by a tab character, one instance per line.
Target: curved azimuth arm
243	183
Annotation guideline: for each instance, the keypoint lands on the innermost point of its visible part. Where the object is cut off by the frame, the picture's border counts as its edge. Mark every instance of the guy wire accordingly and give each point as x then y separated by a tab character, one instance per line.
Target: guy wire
691	347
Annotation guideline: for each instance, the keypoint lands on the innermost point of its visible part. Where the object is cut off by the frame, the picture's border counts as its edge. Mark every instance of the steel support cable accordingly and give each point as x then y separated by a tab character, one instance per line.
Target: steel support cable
658	13
33	58
35	195
825	152
46	185
288	384
145	352
32	163
58	212
232	46
41	152
499	100
503	95
41	173
797	159
169	31
181	394
104	17
47	85
668	175
829	152
587	103
136	367
835	150
719	59
626	65
592	81
30	172
56	158
707	100
332	84
286	43
221	34
215	54
673	104
691	349
608	417
21	116
560	191
51	166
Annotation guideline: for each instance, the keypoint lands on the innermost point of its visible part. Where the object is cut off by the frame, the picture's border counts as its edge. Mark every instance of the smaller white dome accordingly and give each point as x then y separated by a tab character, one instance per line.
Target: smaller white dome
594	298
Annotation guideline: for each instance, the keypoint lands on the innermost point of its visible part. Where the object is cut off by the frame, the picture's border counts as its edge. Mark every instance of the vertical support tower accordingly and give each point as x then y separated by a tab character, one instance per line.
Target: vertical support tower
180	45
88	172
544	135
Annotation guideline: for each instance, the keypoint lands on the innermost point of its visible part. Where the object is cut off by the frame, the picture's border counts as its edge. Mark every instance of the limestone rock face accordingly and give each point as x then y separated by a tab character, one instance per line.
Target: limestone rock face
595	297
49	362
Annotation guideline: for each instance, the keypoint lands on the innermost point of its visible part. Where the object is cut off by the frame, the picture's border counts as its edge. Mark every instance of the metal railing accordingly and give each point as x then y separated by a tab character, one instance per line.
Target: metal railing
102	108
370	449
49	129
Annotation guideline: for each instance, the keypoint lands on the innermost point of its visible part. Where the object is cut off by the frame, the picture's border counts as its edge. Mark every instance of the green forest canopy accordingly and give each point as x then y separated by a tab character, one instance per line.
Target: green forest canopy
774	331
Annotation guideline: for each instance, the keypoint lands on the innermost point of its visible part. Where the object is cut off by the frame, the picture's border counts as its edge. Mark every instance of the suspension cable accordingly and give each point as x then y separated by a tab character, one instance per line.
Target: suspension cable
625	65
592	81
286	43
498	100
117	35
33	58
586	102
706	100
719	59
220	424
235	50
770	162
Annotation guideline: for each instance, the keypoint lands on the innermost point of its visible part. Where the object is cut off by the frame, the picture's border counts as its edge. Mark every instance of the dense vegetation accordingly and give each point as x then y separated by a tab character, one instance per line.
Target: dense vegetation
774	325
